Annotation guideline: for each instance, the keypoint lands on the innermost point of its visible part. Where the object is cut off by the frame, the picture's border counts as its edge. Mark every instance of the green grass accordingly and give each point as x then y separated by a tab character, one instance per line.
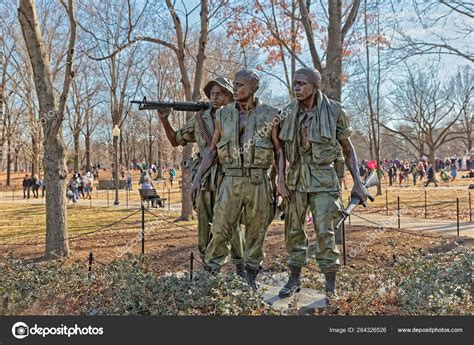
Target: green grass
19	223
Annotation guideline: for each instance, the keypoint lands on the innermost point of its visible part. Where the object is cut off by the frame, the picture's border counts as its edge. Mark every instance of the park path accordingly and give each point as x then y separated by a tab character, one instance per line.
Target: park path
438	226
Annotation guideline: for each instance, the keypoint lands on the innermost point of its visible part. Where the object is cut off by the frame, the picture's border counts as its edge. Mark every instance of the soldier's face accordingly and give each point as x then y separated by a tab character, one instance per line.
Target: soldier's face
219	97
302	88
243	89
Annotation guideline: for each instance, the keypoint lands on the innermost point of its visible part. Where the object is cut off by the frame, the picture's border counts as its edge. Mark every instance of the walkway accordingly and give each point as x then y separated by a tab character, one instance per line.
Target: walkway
439	226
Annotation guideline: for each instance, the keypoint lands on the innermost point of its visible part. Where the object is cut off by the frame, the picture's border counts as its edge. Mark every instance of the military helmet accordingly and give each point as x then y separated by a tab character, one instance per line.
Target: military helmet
221	81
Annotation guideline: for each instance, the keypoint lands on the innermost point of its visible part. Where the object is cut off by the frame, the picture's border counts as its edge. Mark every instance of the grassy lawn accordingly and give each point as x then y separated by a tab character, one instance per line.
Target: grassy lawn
100	230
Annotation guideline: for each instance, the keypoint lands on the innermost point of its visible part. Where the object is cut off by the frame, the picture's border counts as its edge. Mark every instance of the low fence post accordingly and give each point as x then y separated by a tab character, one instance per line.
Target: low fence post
470	208
191	262
348	203
398	211
457	214
91	258
344	243
386	201
143	230
169	200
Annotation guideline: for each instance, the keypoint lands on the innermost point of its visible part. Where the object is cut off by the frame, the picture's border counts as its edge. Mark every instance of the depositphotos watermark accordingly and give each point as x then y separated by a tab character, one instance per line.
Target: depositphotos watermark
21	330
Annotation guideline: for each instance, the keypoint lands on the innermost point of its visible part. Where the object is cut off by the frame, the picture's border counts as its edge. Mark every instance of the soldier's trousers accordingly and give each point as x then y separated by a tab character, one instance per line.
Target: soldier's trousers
204	209
252	195
325	208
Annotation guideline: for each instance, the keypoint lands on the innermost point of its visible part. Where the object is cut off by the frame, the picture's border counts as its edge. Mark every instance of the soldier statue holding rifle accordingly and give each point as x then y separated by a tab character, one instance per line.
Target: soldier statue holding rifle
246	143
200	129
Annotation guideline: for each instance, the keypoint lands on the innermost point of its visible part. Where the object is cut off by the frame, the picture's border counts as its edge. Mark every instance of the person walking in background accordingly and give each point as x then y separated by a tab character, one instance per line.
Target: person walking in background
74	187
80	185
142	177
26	186
128	181
172	176
88	182
414	172
392	173
421	170
35	184
42	187
454	171
431	176
71	196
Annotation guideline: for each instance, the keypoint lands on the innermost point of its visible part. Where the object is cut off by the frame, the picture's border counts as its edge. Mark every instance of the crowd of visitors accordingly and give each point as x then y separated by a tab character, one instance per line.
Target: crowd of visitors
80	186
421	170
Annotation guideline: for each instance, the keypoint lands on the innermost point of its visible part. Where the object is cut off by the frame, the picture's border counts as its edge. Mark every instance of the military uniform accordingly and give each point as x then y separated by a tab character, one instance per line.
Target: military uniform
196	130
245	185
311	148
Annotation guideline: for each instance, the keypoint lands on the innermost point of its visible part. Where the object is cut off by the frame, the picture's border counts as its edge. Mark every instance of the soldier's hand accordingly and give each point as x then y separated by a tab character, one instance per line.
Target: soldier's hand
359	192
163	113
283	191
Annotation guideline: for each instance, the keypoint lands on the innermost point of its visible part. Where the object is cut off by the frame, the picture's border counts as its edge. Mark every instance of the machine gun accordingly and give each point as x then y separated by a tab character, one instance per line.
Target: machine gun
371	181
179	106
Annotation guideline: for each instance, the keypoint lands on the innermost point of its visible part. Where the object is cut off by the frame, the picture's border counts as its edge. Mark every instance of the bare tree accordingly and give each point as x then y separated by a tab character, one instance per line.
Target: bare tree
85	88
446	26
57	244
179	46
374	109
424	114
462	85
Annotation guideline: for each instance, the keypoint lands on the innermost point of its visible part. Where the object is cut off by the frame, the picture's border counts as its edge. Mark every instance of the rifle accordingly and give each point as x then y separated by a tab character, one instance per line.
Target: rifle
371	181
179	106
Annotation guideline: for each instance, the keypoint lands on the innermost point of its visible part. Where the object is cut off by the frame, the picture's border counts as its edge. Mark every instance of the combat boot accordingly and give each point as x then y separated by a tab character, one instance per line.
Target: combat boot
251	275
330	283
293	285
240	270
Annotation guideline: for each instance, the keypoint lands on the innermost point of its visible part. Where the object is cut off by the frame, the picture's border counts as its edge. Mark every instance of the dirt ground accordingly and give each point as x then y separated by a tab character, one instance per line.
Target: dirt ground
169	245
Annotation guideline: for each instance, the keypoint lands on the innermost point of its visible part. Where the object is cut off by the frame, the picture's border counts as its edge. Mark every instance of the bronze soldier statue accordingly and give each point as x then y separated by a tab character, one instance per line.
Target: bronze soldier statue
200	129
311	128
246	142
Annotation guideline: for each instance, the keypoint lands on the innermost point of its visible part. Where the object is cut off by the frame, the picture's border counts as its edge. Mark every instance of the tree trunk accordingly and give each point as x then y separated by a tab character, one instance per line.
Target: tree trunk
150	150
374	149
55	170
159	163
35	153
332	73
75	137
431	154
15	166
55	182
187	207
469	143
9	160
87	139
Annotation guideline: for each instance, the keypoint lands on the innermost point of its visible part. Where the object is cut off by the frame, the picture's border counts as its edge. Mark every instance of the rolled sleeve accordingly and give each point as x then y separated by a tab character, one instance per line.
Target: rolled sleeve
343	128
186	135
